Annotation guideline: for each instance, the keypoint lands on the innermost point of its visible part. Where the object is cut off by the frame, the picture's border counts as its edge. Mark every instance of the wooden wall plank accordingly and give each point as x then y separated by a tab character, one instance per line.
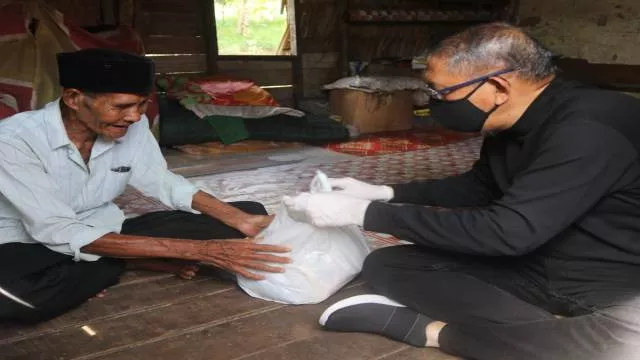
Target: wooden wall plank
284	96
315	79
166	44
180	63
82	12
170	6
320	60
165	23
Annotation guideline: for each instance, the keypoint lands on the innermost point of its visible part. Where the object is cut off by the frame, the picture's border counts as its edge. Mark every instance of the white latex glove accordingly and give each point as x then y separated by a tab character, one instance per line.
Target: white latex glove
327	209
359	189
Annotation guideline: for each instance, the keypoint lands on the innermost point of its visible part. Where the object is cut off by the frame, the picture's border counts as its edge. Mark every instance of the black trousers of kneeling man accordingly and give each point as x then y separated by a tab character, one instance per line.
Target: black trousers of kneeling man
496	308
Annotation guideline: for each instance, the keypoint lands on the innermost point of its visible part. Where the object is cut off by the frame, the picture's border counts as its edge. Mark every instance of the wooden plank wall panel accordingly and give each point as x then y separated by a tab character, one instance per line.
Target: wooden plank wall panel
181	63
173	27
161	23
319	69
163	44
82	12
170	6
284	96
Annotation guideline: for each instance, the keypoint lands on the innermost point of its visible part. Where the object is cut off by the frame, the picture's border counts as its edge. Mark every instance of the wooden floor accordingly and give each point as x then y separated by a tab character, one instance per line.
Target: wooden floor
157	316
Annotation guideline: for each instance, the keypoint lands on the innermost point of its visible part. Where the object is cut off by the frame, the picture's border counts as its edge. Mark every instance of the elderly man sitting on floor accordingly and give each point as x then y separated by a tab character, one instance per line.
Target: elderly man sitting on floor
63	239
546	223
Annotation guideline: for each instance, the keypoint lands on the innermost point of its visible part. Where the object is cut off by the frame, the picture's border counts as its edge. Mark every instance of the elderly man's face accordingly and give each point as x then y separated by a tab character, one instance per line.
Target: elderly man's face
110	115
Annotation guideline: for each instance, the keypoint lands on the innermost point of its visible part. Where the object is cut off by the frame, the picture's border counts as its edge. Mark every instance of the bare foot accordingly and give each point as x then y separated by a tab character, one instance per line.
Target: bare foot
99	295
181	269
188	272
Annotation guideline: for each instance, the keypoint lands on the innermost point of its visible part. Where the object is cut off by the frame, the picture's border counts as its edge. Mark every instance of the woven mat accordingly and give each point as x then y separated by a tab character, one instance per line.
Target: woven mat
268	185
246	146
418	138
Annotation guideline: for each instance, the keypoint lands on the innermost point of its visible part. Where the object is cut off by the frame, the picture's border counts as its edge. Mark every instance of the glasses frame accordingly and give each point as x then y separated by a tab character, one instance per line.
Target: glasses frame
440	94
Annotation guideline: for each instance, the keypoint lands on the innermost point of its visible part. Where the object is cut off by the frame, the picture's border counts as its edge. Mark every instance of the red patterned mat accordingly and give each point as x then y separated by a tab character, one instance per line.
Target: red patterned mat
418	138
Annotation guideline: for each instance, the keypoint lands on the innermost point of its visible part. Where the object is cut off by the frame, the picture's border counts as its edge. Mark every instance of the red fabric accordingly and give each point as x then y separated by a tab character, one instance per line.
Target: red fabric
400	141
31	58
13	20
215	90
21	92
6	111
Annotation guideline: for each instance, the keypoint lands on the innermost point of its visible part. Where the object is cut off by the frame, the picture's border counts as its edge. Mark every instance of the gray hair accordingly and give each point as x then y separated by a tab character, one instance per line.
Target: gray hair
495	45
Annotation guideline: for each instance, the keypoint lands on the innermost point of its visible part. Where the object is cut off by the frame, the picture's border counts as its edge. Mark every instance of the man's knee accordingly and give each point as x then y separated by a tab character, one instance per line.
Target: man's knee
250	207
380	262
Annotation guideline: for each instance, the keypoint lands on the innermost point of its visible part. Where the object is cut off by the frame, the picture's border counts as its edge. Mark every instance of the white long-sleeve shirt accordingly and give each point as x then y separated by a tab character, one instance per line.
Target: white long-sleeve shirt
49	195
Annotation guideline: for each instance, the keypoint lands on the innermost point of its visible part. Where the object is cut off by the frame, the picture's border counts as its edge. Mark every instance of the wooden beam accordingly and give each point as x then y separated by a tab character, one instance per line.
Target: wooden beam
210	35
618	77
276	58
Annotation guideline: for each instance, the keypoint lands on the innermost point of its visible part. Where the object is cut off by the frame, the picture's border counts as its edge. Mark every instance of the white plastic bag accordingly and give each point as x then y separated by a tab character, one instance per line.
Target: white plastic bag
323	260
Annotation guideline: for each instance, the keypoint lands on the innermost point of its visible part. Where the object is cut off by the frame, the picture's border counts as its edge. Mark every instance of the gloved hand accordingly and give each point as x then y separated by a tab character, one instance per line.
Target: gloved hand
327	209
359	189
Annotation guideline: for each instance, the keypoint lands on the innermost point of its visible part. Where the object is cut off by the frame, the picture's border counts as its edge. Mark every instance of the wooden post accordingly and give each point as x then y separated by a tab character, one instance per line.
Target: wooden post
342	7
298	51
210	35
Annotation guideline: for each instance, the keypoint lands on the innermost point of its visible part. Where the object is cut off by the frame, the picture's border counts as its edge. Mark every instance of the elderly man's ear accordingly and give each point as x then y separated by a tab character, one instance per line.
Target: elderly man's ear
73	98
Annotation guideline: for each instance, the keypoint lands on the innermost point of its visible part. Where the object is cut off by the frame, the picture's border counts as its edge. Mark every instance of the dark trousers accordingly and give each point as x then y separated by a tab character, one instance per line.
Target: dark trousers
496	308
53	283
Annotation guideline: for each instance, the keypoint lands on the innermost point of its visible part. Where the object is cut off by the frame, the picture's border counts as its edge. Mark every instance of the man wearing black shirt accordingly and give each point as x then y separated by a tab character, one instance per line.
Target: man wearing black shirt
538	253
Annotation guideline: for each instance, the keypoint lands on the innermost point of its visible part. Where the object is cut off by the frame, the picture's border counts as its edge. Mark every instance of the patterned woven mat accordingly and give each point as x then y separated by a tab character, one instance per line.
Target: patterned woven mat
421	137
268	185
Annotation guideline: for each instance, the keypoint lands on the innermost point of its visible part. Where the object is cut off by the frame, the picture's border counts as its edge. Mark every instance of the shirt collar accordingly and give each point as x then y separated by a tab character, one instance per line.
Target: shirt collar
540	108
56	133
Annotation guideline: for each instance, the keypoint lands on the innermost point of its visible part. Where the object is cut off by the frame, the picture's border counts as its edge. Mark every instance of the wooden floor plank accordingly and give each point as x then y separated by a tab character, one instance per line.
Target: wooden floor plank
248	336
131	298
412	353
329	345
157	322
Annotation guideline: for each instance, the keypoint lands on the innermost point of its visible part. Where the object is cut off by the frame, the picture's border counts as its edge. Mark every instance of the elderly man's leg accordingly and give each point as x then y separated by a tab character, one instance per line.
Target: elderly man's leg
46	292
184	225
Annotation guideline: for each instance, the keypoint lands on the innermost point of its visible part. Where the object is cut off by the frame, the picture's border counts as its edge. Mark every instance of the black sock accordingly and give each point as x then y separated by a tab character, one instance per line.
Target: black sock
379	315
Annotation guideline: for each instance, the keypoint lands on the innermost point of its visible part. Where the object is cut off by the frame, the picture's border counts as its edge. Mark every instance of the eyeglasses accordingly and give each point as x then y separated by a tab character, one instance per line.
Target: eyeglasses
440	94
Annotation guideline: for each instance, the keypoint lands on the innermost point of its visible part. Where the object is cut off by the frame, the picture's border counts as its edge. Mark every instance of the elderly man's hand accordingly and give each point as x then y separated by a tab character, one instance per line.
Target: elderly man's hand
359	189
328	209
242	256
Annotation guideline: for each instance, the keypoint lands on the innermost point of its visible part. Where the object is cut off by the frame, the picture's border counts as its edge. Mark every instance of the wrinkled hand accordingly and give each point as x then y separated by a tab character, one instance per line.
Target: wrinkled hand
242	256
252	225
328	209
359	189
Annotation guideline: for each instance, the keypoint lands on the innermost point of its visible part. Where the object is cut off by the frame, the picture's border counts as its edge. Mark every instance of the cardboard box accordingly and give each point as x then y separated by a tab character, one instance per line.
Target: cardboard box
373	112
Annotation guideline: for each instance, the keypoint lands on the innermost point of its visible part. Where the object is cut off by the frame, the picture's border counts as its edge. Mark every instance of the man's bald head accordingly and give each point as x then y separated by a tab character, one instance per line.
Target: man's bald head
495	46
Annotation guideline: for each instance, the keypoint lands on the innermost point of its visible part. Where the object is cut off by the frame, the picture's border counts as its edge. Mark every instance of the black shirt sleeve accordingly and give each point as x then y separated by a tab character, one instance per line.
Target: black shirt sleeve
574	166
473	188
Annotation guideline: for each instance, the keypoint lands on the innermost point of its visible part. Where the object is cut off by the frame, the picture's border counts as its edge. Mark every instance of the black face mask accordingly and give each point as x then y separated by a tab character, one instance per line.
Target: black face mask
459	115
